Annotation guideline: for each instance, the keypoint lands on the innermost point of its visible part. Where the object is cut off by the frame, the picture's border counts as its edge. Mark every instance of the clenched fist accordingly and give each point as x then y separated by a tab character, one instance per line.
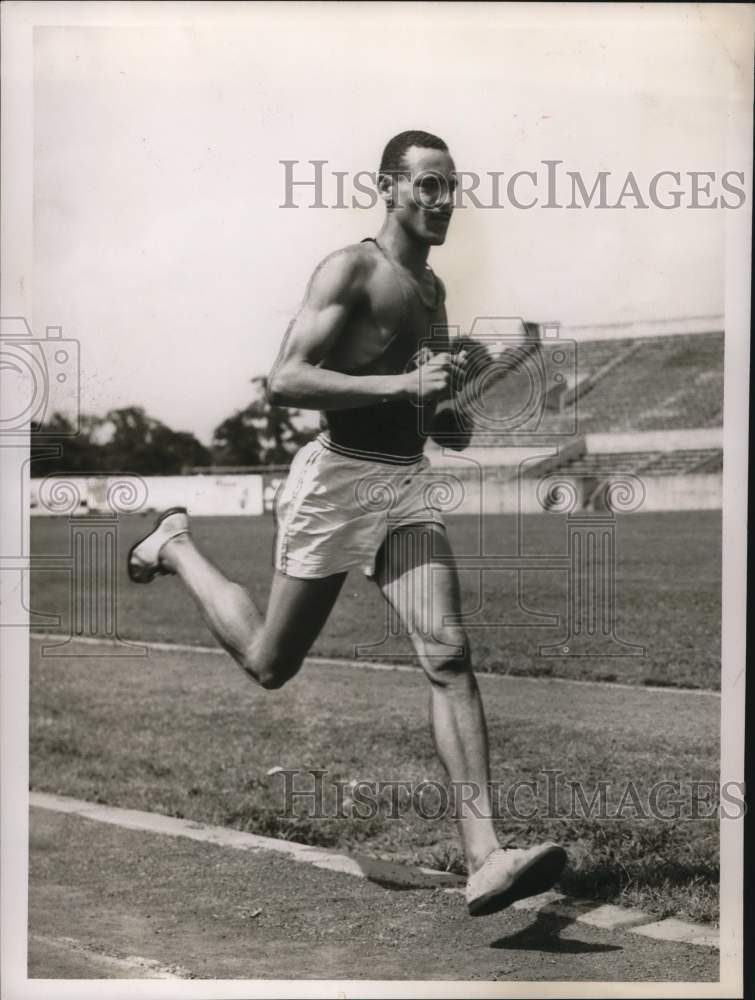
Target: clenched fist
437	377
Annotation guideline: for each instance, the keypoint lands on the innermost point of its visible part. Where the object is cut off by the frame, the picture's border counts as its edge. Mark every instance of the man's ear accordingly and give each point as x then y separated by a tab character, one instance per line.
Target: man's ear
388	187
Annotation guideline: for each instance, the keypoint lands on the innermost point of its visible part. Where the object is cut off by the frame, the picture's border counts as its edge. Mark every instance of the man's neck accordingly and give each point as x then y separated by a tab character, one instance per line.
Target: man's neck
397	243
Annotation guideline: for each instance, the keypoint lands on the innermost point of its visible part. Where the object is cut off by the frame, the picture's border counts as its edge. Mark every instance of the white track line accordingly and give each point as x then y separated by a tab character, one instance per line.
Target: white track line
362	866
328	661
672	929
148	967
605	916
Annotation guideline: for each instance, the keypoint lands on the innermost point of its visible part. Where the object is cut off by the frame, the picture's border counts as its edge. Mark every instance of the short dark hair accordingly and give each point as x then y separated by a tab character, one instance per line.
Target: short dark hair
392	160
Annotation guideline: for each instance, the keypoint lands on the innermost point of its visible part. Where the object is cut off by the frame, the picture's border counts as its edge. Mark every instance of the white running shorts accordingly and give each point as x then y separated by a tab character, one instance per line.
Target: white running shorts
334	511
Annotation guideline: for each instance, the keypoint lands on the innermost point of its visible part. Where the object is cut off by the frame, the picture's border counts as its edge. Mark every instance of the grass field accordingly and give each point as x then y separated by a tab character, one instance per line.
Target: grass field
186	734
667	595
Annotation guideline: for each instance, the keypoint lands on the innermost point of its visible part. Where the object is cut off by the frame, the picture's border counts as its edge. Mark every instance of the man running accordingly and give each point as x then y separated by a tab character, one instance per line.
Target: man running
369	348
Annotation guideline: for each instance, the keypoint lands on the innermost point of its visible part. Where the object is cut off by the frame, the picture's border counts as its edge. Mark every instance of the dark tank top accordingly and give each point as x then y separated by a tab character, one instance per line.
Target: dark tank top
394	431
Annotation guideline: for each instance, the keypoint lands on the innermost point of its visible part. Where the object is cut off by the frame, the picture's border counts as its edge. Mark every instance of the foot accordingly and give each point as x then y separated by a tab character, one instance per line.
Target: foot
508	875
144	558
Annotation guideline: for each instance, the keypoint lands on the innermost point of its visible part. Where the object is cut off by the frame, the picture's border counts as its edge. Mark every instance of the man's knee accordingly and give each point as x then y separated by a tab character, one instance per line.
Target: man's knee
274	680
445	656
271	671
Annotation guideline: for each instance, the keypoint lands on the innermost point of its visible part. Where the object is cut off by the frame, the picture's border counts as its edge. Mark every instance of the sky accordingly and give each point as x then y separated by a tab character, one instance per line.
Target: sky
160	243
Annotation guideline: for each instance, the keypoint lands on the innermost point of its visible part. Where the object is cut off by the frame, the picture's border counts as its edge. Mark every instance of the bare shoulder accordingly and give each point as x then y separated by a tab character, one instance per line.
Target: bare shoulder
344	272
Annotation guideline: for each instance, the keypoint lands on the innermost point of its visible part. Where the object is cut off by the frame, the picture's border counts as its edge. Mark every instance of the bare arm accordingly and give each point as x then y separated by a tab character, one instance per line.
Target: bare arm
296	378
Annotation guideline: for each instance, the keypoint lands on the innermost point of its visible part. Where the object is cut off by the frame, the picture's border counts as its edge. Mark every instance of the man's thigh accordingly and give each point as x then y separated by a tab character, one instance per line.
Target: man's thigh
296	613
417	575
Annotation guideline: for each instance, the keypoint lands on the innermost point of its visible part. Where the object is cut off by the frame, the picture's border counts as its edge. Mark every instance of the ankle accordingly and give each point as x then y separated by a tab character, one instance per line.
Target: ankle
476	860
171	550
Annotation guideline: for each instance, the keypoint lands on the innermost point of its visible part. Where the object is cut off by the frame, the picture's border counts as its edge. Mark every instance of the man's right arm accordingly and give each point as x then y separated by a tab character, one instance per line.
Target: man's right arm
296	378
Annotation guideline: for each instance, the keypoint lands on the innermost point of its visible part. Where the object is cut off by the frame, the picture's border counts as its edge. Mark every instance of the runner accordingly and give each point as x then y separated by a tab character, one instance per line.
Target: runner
369	348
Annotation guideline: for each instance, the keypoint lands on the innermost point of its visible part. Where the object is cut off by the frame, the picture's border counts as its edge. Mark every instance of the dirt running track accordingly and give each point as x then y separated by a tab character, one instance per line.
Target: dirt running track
100	895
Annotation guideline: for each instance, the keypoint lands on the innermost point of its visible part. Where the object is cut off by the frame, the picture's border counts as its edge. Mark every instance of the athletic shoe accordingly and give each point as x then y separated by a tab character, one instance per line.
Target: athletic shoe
508	875
144	556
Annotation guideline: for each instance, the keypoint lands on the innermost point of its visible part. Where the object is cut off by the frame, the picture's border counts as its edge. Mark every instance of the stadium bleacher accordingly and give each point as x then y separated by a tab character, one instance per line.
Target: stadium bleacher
622	395
650	383
667	383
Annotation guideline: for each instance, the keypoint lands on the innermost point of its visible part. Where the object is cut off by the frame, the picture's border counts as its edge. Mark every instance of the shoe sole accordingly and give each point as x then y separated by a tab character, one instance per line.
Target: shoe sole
149	575
538	876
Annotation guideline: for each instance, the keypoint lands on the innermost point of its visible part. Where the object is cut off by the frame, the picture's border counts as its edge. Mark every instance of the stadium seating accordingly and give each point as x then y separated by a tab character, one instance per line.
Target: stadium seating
649	383
668	383
633	387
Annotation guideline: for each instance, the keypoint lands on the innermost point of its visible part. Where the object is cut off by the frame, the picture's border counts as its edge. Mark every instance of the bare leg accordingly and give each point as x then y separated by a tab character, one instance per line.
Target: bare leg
424	592
271	649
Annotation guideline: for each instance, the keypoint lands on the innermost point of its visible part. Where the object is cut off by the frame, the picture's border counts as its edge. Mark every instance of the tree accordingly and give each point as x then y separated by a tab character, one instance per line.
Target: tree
139	443
125	440
260	434
179	450
129	440
80	451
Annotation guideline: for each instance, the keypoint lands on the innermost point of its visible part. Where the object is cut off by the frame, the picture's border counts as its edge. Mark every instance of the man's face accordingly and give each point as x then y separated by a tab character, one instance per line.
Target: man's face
423	199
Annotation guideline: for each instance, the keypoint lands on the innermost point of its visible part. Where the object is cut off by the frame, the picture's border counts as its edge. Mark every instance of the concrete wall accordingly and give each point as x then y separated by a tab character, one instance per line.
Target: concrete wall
702	437
470	489
649	328
599	444
228	495
495	491
492	457
691	492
